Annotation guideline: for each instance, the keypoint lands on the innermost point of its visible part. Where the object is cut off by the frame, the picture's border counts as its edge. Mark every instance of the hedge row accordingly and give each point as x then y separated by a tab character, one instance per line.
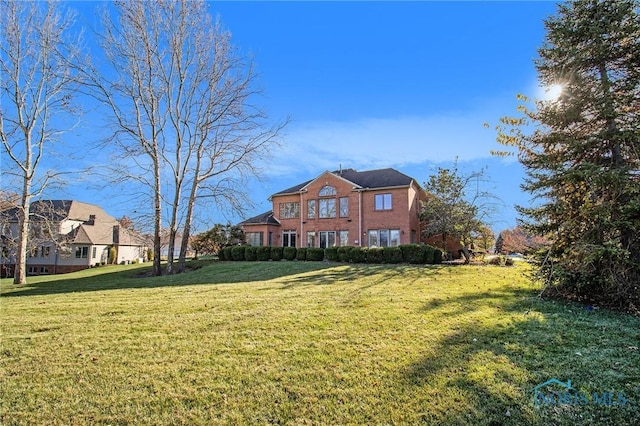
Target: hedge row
406	253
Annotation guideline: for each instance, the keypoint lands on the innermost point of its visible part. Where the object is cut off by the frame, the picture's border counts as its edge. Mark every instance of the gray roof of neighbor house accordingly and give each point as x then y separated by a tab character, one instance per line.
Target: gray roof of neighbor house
368	179
265	218
57	210
97	225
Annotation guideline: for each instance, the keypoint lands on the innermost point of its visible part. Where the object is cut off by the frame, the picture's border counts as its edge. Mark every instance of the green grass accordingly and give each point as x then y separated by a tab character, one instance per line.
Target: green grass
306	343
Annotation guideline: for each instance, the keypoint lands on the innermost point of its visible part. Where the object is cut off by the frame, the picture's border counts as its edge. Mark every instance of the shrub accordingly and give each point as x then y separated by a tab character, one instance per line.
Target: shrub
437	256
427	254
263	253
331	253
301	253
227	253
221	255
392	255
501	261
375	255
315	253
237	253
250	253
411	253
289	253
277	253
343	253
358	255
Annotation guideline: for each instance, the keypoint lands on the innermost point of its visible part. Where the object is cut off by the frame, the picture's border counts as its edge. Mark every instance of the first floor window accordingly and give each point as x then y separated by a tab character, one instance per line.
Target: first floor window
394	237
82	252
327	239
373	238
94	252
311	239
289	239
384	237
254	238
343	238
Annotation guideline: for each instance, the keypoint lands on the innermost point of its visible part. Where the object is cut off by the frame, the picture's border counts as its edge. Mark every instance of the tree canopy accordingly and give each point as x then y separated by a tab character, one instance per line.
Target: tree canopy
449	212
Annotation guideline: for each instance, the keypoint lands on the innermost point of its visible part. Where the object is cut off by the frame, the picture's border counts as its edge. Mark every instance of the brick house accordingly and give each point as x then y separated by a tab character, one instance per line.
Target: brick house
370	208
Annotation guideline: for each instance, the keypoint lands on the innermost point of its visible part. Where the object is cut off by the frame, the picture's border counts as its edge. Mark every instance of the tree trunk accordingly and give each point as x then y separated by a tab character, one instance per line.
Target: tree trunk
20	272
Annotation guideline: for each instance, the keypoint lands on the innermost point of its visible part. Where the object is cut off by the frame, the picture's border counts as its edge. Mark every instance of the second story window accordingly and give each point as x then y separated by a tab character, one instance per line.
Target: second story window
383	202
289	210
344	207
311	209
327	207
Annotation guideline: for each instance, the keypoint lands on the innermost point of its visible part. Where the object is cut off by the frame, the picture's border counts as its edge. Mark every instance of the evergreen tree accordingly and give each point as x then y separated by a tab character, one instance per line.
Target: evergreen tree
582	158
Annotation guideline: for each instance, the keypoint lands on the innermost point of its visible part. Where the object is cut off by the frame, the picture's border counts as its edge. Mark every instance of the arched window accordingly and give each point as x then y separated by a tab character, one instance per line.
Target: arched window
326	191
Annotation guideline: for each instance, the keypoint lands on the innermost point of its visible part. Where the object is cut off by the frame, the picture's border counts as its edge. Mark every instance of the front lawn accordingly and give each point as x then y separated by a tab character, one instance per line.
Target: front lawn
309	343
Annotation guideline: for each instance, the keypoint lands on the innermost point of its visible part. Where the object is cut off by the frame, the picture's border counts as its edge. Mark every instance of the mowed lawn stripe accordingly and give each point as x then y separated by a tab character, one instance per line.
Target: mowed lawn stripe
306	343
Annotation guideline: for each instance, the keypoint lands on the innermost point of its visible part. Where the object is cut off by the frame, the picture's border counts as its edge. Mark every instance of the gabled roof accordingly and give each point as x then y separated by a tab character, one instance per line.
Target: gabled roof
265	218
58	210
368	179
96	227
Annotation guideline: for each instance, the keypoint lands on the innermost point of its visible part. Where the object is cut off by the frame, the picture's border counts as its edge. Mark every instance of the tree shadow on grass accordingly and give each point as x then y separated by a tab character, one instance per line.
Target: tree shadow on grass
371	275
137	277
483	370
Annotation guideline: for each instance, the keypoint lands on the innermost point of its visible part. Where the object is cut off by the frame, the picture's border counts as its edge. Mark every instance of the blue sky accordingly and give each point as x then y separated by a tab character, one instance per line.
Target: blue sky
369	85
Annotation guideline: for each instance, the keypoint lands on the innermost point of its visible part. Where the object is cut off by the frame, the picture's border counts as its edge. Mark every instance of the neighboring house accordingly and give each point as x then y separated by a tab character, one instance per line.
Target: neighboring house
452	245
164	248
67	236
370	208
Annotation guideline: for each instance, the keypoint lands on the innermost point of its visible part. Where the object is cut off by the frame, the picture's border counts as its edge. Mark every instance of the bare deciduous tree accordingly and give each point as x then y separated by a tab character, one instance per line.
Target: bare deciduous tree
38	82
182	100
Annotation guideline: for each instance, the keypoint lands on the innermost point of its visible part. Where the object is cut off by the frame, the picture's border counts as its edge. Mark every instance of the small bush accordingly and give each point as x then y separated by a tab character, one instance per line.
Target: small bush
227	253
392	255
277	253
358	255
501	261
427	254
263	253
237	253
437	256
375	255
221	255
343	253
301	253
331	253
250	253
315	253
289	253
412	253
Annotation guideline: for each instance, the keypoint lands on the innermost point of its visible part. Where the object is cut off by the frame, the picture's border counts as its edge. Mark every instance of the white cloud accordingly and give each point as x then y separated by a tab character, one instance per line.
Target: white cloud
385	142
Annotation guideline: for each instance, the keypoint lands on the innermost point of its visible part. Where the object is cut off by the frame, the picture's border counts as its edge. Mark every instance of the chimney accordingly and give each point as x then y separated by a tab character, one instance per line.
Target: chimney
116	234
92	220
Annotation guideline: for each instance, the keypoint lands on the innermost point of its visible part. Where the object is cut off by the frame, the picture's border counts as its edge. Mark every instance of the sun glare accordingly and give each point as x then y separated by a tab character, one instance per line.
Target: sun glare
553	92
